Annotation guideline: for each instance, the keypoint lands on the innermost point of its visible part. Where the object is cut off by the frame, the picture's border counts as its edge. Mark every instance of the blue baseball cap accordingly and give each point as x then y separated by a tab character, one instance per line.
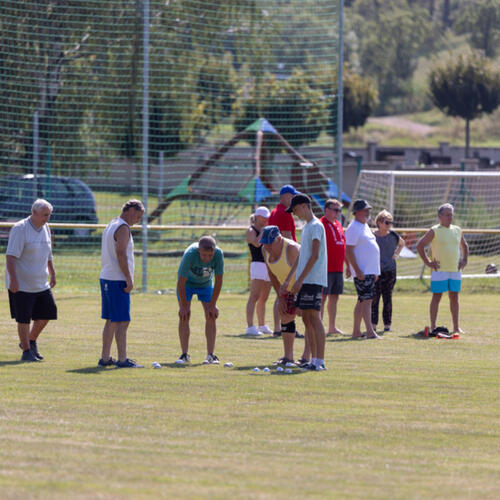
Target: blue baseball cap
269	234
288	188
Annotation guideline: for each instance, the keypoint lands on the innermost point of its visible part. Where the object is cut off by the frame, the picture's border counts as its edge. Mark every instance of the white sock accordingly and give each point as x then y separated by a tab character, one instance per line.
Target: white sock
320	362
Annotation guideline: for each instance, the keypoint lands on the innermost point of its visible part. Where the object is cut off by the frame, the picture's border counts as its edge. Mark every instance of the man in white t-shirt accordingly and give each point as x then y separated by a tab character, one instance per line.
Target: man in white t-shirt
311	277
117	281
363	256
29	277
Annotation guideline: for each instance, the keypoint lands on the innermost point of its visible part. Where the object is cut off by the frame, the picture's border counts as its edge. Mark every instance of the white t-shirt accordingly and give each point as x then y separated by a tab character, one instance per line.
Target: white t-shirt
110	269
32	249
313	230
366	250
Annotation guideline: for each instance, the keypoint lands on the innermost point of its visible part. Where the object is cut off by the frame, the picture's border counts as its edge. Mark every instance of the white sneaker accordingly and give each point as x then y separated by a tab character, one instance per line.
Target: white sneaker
211	359
253	330
265	329
184	359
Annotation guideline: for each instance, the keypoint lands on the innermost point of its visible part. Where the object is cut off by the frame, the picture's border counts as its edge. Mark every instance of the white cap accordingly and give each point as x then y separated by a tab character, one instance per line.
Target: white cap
263	212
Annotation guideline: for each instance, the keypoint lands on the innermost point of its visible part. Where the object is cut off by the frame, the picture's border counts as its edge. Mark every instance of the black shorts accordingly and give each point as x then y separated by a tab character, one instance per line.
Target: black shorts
310	297
335	283
26	306
365	288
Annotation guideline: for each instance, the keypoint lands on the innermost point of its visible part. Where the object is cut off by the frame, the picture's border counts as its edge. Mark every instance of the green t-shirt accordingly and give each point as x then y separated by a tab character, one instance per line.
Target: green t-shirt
198	273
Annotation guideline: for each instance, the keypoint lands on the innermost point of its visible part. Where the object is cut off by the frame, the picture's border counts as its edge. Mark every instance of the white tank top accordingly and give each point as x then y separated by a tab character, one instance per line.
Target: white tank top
110	269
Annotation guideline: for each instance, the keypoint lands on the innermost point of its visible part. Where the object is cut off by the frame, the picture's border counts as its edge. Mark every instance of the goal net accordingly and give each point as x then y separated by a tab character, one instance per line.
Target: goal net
413	198
201	108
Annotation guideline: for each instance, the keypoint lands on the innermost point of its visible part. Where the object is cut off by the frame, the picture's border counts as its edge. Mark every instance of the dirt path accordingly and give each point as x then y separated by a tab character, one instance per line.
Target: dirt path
402	123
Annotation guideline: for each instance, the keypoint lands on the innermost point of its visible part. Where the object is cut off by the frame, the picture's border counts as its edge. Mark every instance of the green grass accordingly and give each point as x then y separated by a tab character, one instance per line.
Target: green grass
397	418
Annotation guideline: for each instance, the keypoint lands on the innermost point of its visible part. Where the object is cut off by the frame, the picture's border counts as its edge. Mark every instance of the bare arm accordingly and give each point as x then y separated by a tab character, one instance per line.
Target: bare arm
292	255
287	235
122	235
212	306
251	237
184	305
401	244
465	253
11	269
422	243
309	265
52	274
351	259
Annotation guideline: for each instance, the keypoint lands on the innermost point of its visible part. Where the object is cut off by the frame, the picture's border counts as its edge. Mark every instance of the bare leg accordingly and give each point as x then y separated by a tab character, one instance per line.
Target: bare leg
433	308
264	289
288	339
108	334
310	334
23	330
332	314
121	339
252	300
358	315
318	333
184	333
37	327
276	316
210	330
366	308
454	308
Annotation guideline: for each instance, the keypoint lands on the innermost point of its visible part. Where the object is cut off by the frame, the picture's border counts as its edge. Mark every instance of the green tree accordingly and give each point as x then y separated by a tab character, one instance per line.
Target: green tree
296	110
467	86
481	22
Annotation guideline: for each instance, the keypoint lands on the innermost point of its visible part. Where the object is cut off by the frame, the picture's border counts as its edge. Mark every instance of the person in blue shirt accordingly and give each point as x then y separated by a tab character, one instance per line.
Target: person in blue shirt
200	263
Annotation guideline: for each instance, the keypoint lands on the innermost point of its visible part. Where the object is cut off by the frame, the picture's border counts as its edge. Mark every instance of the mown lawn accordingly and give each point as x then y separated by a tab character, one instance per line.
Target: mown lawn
396	418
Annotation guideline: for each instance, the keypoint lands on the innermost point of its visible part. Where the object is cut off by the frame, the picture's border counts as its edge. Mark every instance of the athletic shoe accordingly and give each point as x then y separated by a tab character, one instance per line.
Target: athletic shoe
211	359
308	366
28	355
299	335
276	334
387	329
265	329
253	331
284	362
34	349
302	362
184	359
128	363
109	362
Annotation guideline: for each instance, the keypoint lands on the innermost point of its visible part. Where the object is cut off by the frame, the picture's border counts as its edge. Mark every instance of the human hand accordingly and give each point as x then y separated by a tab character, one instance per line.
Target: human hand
360	275
348	273
461	264
53	281
14	285
129	286
213	311
434	264
296	287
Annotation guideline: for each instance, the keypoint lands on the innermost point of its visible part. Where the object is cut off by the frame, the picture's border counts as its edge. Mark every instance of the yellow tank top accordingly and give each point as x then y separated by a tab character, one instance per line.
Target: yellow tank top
445	247
281	268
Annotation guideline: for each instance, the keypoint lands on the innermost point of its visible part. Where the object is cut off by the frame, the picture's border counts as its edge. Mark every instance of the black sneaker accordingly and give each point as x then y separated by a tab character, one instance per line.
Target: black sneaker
128	363
109	362
28	355
284	362
184	359
302	362
211	359
34	349
276	334
299	335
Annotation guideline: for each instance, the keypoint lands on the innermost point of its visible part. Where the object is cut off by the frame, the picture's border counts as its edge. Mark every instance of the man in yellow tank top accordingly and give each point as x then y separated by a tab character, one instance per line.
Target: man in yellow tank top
449	254
280	254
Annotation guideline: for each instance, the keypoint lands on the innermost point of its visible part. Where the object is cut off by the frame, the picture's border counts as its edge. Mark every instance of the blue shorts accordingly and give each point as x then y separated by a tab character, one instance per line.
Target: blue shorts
443	281
115	302
204	294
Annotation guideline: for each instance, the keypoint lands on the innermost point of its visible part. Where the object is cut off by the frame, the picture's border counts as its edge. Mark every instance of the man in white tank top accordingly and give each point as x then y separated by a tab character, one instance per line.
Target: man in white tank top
117	281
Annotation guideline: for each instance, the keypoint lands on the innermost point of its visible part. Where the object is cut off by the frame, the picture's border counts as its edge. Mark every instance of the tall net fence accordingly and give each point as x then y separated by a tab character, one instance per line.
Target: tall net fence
414	197
202	109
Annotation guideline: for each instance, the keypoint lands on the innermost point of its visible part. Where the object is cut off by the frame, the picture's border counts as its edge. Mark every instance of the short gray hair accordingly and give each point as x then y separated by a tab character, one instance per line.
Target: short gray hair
40	204
445	206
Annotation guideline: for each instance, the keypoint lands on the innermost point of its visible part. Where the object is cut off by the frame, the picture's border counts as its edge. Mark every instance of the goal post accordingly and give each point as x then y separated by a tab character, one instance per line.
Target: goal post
413	198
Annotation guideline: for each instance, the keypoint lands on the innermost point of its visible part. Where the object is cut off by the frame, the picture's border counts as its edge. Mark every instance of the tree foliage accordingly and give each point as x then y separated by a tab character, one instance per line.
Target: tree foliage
292	106
466	85
481	22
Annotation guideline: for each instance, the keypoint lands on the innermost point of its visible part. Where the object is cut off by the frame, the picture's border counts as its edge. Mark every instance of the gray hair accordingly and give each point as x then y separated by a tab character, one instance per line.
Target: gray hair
40	204
445	206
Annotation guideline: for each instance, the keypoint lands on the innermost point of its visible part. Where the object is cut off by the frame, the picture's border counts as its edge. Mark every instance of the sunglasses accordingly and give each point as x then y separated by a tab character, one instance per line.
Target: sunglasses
387	222
335	209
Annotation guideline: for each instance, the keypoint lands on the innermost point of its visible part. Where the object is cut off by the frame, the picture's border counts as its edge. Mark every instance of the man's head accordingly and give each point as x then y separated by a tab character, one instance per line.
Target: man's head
287	192
300	205
132	211
445	214
361	210
40	212
270	237
333	208
206	248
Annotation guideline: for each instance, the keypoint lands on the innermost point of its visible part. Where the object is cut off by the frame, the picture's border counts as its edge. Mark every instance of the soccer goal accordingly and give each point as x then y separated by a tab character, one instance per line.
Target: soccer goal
414	197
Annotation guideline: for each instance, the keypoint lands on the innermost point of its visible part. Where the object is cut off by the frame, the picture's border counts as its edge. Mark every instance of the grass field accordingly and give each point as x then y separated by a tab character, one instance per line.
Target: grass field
396	418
